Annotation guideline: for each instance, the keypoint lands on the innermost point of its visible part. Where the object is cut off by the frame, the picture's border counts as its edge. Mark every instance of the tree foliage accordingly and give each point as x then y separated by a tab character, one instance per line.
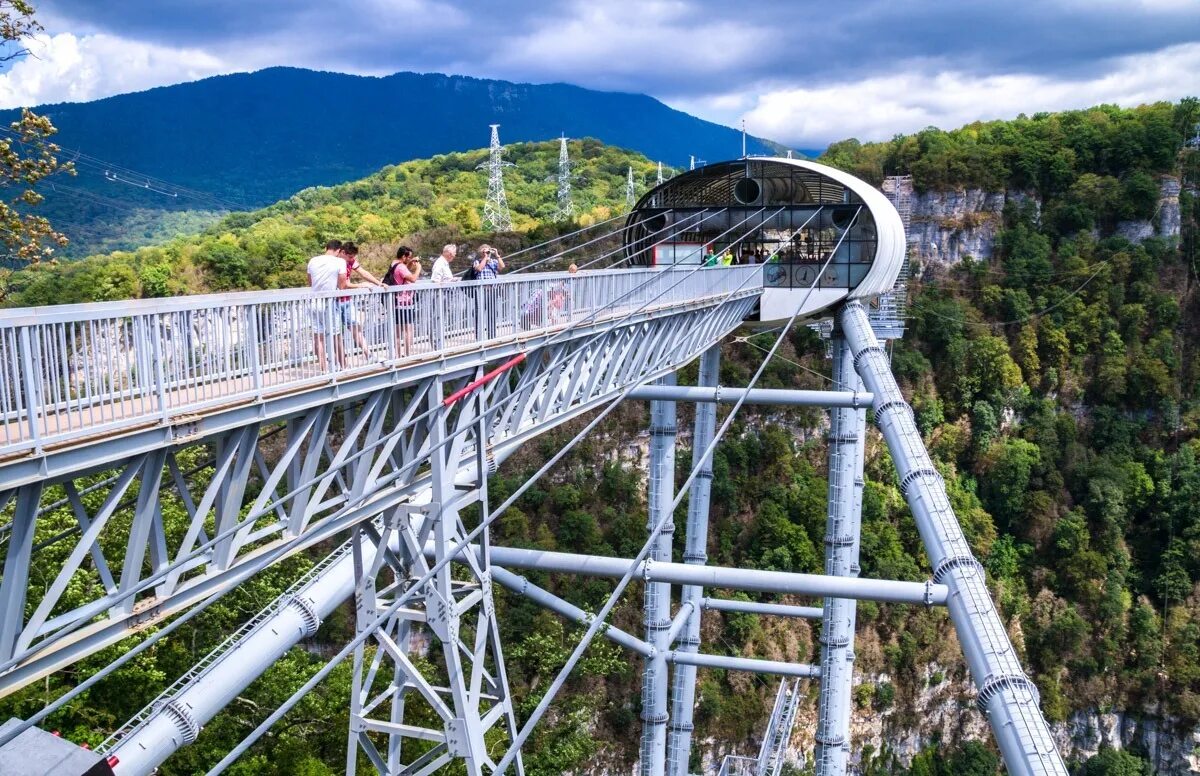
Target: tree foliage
26	157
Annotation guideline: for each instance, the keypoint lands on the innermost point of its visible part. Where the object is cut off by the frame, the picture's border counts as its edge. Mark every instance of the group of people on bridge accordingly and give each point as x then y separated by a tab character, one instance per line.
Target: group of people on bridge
338	268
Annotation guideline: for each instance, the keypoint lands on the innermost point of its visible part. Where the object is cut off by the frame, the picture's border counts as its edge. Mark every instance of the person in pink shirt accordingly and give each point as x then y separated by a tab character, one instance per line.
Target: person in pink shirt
405	270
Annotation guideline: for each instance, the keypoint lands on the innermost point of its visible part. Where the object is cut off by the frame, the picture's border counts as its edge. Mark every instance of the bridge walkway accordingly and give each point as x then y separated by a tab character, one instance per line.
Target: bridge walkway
73	374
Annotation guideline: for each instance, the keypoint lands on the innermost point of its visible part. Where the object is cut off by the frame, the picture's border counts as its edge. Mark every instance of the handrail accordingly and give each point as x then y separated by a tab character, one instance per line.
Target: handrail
19	316
76	371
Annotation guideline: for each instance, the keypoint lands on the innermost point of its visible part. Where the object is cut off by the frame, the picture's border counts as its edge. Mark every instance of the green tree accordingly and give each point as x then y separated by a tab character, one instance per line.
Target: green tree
26	157
1115	762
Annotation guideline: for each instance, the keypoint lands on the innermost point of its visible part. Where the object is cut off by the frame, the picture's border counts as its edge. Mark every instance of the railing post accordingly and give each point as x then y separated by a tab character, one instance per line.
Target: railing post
437	329
32	381
159	375
252	346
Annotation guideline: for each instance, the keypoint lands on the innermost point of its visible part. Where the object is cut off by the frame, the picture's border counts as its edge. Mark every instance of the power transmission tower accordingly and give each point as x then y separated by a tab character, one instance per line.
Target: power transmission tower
495	207
659	180
566	208
630	196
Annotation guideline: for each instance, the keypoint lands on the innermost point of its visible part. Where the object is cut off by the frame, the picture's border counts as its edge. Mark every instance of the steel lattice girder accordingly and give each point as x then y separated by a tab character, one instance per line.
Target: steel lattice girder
338	468
476	698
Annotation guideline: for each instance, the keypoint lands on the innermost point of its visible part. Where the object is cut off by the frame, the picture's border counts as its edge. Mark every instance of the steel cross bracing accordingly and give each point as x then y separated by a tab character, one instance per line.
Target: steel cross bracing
779	728
459	612
343	462
397	463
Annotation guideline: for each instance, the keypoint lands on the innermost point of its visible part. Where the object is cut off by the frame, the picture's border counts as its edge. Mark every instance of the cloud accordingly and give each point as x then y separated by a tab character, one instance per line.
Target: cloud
68	68
876	108
799	71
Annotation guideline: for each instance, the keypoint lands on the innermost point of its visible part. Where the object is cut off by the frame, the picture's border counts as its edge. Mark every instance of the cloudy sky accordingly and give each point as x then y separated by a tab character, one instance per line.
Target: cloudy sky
799	71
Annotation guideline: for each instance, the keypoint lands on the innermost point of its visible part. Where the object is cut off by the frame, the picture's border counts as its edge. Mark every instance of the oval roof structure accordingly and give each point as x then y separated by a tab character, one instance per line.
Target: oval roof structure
823	235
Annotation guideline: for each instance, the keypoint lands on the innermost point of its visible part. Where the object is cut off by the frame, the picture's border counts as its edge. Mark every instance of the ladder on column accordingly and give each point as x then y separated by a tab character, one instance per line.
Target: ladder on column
774	746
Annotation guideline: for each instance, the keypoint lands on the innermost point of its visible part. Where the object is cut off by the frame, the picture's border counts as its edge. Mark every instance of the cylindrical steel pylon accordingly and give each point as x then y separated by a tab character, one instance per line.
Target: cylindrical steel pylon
683	690
660	491
846	430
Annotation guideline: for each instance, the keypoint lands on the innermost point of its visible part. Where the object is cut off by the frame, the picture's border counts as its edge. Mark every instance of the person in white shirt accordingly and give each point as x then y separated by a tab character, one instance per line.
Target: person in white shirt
327	272
441	272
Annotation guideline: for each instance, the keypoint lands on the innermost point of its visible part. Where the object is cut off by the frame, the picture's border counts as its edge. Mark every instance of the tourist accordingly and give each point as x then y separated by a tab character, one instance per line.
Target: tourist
441	272
405	270
488	265
350	254
327	272
352	318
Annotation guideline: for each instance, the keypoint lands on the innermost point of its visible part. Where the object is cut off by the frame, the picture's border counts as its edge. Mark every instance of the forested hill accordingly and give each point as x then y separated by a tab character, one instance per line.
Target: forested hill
249	139
423	203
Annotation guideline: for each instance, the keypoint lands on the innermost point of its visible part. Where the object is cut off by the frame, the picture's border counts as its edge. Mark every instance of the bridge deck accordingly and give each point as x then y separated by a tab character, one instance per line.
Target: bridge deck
73	373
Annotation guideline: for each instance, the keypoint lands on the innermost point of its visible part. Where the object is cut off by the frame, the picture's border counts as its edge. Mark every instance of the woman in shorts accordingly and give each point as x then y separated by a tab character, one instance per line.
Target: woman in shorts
405	269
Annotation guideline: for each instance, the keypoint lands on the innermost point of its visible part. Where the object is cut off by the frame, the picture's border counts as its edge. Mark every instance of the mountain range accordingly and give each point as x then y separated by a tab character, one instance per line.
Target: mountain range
242	141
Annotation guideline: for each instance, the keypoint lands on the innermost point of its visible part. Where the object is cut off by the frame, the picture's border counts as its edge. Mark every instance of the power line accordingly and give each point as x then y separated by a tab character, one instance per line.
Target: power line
116	173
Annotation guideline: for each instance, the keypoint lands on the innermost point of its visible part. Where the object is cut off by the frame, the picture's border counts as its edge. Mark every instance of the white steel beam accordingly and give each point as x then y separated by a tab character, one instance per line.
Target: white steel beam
1008	697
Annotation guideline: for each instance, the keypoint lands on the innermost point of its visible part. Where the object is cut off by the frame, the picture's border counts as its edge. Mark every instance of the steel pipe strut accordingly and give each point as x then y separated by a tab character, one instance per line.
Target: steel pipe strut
749	664
542	597
1006	694
754	580
848	399
545	598
770	610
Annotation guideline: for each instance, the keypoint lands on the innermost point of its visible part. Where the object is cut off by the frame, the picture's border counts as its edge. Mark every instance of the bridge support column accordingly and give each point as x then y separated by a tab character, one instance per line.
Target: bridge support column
659	495
847	428
1006	695
458	610
683	690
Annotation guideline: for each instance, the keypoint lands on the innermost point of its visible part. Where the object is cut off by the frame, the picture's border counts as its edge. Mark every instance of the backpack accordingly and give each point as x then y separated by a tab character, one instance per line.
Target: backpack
471	273
404	298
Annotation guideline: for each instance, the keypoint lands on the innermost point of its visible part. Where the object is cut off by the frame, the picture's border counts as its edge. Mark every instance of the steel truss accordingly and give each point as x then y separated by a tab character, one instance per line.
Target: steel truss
460	613
344	460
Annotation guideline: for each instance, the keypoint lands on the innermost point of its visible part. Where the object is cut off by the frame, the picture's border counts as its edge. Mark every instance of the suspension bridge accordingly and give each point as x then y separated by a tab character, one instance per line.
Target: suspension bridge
104	409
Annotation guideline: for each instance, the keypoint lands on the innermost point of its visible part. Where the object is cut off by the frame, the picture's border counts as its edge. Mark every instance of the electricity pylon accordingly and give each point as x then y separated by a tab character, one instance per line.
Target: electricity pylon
495	207
566	208
630	196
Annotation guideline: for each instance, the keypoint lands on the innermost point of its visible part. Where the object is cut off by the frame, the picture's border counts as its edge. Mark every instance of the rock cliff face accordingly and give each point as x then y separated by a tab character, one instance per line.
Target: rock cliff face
950	225
947	713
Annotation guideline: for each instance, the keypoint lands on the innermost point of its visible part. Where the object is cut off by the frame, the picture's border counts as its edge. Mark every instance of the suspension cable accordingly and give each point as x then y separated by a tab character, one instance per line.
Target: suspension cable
561	237
605	236
668	514
640	251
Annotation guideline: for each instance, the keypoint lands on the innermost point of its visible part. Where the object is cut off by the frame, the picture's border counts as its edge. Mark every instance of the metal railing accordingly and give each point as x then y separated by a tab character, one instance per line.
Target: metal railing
74	371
